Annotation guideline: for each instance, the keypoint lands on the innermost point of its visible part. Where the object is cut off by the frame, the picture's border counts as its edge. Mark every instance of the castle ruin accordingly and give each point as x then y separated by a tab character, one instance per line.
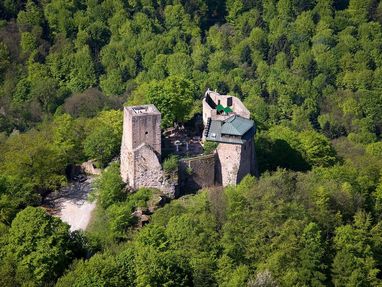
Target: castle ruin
226	121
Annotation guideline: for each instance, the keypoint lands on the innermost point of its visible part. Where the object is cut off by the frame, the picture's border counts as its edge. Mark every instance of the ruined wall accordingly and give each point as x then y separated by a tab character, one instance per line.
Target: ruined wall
145	168
196	173
234	162
207	111
237	106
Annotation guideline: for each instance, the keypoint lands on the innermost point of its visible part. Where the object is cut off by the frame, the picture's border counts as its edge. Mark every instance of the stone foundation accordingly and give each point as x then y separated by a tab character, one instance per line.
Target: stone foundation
196	173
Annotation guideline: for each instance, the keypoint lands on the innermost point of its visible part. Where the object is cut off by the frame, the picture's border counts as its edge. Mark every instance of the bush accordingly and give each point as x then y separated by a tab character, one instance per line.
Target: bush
170	164
374	149
109	187
102	145
209	147
317	149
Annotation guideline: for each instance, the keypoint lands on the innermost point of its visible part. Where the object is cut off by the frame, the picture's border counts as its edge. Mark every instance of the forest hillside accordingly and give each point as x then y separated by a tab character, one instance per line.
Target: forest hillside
310	72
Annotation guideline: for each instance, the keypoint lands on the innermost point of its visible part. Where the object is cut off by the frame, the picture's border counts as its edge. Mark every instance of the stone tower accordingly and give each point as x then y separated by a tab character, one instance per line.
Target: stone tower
234	162
227	122
141	147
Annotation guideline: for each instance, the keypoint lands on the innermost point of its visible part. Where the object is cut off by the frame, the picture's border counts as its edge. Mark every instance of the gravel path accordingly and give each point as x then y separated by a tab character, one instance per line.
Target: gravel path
71	204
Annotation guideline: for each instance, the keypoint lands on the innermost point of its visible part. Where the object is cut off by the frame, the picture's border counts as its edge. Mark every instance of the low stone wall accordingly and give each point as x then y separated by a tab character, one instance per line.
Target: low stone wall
196	173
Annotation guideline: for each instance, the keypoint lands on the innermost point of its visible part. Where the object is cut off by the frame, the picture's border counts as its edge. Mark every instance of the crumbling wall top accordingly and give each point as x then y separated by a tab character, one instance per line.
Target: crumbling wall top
142	110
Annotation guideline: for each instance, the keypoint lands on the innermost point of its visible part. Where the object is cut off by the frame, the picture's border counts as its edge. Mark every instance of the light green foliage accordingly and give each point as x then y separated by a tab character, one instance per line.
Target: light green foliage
312	267
186	243
112	83
309	72
32	16
82	74
109	187
317	149
209	147
280	147
174	97
101	144
13	195
104	140
59	15
102	270
120	214
116	204
360	10
161	249
234	7
112	119
154	267
354	262
302	57
28	42
170	164
67	137
374	149
309	146
179	64
31	157
39	245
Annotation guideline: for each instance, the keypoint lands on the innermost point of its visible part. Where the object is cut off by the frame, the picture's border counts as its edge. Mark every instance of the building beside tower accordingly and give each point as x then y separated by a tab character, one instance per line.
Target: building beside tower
226	122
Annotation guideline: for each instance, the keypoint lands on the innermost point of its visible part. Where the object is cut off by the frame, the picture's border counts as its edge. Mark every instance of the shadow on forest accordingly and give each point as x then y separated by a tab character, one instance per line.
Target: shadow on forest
273	154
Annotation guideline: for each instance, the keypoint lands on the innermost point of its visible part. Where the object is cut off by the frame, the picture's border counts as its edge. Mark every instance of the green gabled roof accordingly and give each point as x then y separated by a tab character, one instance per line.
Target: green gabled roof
236	126
219	108
228	110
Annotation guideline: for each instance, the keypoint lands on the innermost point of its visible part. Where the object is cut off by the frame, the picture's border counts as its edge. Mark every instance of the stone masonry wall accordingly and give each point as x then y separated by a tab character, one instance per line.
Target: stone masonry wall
234	162
145	168
142	128
196	173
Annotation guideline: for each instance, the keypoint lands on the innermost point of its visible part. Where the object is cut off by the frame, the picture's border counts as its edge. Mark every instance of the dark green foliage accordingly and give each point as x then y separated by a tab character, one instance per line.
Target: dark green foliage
85	104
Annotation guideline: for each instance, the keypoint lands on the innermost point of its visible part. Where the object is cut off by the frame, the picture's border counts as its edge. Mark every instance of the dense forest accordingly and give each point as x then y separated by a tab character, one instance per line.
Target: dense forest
310	72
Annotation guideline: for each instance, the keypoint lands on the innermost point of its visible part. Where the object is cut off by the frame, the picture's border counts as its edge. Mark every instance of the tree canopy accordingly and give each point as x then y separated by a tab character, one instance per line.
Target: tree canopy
308	71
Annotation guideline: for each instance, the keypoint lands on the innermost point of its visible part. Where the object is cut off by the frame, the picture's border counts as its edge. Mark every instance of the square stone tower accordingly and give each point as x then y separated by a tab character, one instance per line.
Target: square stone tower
141	146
